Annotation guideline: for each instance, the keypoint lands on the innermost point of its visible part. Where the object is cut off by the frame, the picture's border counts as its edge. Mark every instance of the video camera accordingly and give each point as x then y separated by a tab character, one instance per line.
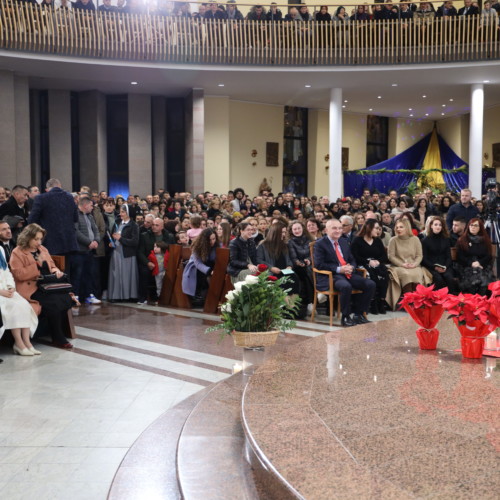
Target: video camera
492	198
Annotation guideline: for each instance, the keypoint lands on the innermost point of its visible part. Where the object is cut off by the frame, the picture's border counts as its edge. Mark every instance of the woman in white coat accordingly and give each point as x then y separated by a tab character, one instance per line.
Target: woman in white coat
17	314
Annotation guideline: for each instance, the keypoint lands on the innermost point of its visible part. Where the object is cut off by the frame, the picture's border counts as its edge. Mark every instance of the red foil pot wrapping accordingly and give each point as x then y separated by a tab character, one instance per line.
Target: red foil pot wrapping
426	317
427	339
474	329
472	347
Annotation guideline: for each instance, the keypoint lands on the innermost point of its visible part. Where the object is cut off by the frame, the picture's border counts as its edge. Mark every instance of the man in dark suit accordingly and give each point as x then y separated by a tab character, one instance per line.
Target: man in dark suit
468	9
332	253
347	225
56	212
17	204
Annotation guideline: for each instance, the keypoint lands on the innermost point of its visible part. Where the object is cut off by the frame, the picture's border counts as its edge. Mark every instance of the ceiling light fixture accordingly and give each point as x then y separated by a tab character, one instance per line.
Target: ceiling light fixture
343	105
410	109
424	96
486	81
346	100
451	100
307	86
133	83
220	85
394	84
379	97
442	114
443	105
411	114
371	109
426	114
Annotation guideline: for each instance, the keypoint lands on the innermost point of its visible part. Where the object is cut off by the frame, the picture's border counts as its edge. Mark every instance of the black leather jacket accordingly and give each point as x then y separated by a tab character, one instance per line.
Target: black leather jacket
240	252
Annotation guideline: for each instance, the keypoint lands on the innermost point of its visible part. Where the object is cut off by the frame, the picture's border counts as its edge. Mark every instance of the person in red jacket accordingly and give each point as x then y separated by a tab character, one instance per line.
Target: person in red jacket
159	257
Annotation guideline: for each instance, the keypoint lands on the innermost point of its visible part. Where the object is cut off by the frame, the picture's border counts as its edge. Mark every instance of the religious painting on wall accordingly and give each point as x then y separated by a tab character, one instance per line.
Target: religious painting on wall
272	154
345	159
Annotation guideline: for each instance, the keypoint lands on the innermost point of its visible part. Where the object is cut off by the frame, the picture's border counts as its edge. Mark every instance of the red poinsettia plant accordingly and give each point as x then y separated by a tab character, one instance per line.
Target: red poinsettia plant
424	305
472	313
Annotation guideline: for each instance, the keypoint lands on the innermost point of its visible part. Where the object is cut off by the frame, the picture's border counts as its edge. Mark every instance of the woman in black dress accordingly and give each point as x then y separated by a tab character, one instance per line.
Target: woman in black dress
436	249
369	252
474	259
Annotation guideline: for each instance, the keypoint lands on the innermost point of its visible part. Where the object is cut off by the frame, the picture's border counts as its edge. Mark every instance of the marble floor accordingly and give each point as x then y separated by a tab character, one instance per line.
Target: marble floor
68	418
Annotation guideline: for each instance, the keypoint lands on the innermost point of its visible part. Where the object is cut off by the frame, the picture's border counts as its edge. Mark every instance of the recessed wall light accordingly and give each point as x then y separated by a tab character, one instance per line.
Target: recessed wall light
346	100
451	100
486	81
424	96
443	105
426	114
442	114
410	109
411	114
133	83
307	86
379	97
394	85
220	85
371	109
343	105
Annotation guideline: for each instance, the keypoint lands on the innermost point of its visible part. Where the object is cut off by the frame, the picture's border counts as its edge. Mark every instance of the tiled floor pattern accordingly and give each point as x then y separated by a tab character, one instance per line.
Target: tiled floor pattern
67	419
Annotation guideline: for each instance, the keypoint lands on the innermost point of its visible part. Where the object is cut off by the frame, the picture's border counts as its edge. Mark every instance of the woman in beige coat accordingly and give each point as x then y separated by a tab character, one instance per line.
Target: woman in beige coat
405	255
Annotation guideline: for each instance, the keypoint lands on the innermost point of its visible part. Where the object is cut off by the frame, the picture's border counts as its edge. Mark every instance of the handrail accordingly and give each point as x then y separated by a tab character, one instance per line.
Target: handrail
132	37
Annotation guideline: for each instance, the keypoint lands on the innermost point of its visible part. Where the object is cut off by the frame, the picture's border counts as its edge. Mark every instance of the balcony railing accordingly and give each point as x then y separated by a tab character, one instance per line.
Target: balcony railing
24	27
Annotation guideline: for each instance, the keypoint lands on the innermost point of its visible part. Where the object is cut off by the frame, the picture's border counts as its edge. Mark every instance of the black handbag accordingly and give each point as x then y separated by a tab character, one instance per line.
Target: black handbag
50	283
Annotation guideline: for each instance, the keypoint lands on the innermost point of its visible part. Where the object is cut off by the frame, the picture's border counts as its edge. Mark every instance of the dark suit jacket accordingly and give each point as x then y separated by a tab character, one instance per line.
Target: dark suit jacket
56	212
10	207
471	12
325	259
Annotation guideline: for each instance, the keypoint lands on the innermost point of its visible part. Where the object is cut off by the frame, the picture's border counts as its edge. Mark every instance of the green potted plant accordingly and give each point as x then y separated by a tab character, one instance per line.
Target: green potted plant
257	310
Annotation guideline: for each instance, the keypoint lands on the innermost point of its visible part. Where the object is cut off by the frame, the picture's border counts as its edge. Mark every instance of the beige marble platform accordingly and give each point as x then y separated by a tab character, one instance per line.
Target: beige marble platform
363	413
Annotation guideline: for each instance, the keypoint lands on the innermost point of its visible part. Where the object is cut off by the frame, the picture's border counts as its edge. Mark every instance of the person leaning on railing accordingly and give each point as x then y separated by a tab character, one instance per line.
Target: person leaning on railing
446	10
274	14
468	9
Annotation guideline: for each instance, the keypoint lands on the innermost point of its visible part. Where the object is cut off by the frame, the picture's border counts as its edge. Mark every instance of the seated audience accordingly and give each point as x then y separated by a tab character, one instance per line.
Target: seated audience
369	252
405	256
474	259
200	265
17	314
332	253
436	249
457	230
29	260
300	255
242	254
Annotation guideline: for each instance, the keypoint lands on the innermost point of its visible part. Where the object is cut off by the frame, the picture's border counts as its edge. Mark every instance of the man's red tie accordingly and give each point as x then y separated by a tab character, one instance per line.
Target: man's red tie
340	258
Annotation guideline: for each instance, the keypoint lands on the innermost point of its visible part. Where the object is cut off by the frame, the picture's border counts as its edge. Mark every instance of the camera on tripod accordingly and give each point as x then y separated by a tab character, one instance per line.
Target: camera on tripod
492	199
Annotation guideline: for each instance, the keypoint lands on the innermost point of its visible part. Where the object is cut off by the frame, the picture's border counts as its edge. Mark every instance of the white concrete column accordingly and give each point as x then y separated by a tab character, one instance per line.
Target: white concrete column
195	132
60	136
476	139
93	140
140	164
335	145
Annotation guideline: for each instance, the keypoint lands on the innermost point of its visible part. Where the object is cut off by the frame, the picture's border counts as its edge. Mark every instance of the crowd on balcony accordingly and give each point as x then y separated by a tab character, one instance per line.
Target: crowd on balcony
117	248
403	10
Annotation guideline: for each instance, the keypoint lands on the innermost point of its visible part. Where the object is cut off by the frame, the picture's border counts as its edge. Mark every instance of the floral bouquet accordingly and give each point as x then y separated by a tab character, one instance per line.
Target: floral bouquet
258	304
474	318
425	307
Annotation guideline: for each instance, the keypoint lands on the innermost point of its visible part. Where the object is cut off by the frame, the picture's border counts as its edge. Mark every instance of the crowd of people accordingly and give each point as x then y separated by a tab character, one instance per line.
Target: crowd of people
117	248
389	10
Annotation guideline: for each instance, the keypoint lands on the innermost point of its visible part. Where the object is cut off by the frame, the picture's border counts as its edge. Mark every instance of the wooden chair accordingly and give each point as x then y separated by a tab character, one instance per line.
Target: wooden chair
179	298
331	292
167	288
68	323
217	281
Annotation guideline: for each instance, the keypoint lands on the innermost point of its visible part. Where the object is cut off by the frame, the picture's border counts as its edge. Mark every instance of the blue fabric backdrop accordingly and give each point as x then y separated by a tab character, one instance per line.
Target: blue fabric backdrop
412	158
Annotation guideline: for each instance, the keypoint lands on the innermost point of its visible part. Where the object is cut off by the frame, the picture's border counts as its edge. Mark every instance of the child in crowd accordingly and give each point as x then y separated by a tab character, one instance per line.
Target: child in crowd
182	238
159	257
195	229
